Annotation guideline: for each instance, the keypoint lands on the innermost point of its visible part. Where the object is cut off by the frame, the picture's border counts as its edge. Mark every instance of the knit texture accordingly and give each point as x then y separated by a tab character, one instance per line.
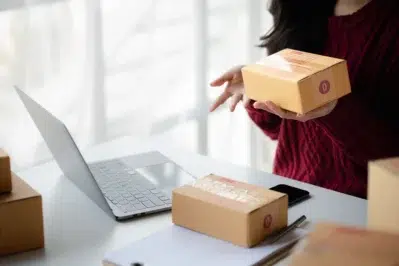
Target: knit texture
333	151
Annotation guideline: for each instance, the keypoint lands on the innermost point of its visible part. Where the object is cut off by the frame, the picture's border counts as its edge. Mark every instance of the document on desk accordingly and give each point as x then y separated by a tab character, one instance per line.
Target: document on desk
179	246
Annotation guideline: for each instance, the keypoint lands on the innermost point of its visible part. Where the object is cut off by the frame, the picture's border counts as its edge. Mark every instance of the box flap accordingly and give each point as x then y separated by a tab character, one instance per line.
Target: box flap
231	194
21	190
295	65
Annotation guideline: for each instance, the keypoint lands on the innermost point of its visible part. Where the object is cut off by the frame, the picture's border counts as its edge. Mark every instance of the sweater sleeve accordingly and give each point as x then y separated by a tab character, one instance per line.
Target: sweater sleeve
360	134
267	122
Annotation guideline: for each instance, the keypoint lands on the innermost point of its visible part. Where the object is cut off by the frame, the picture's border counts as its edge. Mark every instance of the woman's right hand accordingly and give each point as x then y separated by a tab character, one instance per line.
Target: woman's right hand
234	89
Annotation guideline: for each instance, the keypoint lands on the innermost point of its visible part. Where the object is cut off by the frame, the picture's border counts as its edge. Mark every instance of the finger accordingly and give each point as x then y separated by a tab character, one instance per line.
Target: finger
233	88
276	109
235	100
220	100
222	79
281	112
246	101
321	111
262	106
329	107
303	117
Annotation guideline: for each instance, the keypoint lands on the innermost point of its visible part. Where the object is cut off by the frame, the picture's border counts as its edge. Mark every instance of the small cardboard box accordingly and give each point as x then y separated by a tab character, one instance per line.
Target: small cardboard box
226	209
297	81
5	172
383	187
21	219
330	244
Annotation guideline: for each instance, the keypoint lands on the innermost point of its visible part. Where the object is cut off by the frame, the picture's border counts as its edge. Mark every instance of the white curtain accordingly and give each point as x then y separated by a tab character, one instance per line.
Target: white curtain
127	67
43	49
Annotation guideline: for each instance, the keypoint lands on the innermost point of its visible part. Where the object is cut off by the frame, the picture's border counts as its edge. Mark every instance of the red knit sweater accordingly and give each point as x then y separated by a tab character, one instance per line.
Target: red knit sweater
333	151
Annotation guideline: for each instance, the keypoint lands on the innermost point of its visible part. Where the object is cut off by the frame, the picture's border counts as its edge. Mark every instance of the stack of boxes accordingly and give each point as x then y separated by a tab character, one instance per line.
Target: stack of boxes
378	244
21	214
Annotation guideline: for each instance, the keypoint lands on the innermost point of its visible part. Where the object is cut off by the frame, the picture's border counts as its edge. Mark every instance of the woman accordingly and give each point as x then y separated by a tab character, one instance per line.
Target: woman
331	146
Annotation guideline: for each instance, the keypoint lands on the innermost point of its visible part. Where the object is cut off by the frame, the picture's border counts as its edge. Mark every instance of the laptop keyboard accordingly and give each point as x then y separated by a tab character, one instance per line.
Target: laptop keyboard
126	188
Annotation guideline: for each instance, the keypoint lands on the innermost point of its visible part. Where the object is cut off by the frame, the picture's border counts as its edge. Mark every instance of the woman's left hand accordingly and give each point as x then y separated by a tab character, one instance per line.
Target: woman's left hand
274	109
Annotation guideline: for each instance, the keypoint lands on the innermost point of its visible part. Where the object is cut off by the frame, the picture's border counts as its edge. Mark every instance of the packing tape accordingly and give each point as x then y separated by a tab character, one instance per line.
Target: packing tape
228	191
291	64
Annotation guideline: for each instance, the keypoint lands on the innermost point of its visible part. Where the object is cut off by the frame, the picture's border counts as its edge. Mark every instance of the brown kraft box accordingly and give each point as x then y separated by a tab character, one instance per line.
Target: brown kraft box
332	244
21	219
383	187
5	172
297	81
237	212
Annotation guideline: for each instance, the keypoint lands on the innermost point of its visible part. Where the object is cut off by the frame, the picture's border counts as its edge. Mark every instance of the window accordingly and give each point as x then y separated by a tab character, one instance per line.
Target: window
129	67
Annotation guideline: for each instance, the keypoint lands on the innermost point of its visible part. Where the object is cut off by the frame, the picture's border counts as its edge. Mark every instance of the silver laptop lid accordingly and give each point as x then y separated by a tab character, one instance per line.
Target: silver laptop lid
65	151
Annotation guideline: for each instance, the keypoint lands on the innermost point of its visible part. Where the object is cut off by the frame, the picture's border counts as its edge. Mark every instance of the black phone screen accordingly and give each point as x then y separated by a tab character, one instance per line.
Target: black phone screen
295	195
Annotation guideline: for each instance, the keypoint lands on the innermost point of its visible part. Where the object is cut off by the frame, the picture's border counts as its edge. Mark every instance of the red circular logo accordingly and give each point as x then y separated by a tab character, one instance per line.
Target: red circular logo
267	222
324	87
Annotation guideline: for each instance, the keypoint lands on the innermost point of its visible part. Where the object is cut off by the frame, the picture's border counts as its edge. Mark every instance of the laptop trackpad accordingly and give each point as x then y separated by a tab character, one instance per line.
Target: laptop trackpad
166	176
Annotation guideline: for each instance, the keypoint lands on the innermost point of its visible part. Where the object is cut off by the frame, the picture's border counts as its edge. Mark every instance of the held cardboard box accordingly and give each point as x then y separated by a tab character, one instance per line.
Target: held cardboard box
21	219
297	81
383	187
5	172
330	244
226	209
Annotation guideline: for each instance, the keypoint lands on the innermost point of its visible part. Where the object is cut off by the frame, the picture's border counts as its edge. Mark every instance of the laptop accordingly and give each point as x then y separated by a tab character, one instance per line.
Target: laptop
124	187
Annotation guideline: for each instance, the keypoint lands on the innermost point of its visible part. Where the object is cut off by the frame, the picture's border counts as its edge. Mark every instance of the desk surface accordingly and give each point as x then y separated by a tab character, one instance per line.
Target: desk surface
77	232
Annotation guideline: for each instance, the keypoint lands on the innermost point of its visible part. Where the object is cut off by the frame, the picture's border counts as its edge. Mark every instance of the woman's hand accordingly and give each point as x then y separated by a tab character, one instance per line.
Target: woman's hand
274	109
234	88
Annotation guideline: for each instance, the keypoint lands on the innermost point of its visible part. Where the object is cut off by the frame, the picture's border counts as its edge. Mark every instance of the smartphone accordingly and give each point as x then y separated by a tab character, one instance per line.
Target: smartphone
295	195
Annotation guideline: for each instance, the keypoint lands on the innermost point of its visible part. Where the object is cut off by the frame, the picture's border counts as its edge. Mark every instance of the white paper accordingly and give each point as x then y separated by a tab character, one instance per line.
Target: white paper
179	246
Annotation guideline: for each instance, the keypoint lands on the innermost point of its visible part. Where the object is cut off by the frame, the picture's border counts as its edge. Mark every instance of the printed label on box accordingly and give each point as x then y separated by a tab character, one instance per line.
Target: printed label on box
228	190
267	222
324	87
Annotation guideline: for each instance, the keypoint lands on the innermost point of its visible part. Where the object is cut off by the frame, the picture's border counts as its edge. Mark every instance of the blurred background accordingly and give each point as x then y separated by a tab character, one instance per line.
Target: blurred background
114	68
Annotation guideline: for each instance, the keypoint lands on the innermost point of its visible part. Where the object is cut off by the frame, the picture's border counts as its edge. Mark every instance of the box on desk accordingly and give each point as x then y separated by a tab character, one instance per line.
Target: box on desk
297	81
5	172
383	185
21	219
233	211
331	244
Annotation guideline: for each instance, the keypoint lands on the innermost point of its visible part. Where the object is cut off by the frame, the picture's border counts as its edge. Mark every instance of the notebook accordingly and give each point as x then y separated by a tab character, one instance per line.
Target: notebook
176	245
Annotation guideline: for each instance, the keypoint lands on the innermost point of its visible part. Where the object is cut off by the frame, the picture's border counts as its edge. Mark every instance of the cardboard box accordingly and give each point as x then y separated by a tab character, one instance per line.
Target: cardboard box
330	244
383	186
5	172
297	81
21	219
226	209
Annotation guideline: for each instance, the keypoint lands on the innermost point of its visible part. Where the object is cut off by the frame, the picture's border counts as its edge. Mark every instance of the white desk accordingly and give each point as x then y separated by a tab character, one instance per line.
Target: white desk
77	232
